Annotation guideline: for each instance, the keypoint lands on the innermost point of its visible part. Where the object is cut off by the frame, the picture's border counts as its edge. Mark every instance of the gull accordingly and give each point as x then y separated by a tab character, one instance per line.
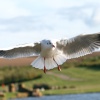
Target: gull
53	54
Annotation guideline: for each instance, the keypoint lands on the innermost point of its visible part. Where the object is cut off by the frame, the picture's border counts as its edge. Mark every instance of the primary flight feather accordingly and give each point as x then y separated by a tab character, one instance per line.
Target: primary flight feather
51	54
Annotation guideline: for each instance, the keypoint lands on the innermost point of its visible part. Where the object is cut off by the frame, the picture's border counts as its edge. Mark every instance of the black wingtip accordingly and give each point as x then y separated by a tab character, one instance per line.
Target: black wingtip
2	52
99	37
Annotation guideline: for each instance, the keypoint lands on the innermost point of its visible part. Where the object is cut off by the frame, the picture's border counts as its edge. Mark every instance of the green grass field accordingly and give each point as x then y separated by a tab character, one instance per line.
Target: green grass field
80	80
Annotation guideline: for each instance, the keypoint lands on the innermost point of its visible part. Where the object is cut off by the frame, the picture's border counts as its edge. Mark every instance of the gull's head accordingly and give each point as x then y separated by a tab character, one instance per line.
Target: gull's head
47	44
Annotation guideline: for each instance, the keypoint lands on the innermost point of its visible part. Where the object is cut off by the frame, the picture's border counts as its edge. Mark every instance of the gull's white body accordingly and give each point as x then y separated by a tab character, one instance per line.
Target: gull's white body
52	55
49	54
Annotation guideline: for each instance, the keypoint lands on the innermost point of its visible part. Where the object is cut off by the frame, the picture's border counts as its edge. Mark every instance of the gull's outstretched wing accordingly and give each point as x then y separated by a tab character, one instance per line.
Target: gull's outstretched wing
79	45
21	51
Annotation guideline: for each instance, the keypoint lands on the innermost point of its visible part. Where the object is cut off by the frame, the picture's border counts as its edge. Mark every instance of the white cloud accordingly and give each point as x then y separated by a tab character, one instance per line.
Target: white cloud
8	9
96	17
3	27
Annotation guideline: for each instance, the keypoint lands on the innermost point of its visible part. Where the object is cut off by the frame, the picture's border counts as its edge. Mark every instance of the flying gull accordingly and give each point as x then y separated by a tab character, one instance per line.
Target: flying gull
51	55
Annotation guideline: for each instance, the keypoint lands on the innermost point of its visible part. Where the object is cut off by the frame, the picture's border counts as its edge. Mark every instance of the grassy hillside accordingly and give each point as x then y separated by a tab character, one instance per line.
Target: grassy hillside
16	62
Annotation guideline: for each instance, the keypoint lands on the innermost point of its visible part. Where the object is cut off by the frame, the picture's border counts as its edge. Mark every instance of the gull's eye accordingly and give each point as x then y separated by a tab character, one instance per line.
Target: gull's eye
47	43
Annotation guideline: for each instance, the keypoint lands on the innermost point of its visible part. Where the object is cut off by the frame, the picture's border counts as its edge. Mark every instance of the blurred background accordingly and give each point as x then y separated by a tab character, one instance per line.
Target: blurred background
29	21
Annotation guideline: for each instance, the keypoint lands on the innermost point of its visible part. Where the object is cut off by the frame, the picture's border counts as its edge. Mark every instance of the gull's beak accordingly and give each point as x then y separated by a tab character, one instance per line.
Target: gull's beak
53	46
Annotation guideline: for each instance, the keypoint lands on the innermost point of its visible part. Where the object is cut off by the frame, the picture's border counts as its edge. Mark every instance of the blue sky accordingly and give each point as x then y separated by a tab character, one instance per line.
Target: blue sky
27	21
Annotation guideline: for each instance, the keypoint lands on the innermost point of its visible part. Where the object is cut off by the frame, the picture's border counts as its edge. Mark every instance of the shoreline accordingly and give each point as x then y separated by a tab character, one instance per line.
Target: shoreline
55	92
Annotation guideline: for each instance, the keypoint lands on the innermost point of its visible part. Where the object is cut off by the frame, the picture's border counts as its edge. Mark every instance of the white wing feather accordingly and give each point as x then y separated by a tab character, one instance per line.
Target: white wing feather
79	45
21	51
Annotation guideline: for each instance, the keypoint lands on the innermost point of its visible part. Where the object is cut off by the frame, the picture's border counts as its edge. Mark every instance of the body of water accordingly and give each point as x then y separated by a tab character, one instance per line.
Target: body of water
88	96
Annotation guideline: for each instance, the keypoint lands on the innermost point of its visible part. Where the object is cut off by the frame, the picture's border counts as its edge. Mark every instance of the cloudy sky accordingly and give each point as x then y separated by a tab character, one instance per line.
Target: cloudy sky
27	21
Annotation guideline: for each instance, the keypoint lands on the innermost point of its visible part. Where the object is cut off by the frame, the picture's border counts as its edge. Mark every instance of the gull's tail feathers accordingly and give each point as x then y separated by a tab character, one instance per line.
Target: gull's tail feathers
49	63
38	63
60	59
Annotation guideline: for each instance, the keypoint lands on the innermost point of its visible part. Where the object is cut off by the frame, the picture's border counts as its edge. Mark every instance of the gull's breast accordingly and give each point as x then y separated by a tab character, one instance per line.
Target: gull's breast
48	53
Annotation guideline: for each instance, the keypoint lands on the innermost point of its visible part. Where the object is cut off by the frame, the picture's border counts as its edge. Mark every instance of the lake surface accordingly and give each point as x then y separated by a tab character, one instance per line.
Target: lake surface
88	96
